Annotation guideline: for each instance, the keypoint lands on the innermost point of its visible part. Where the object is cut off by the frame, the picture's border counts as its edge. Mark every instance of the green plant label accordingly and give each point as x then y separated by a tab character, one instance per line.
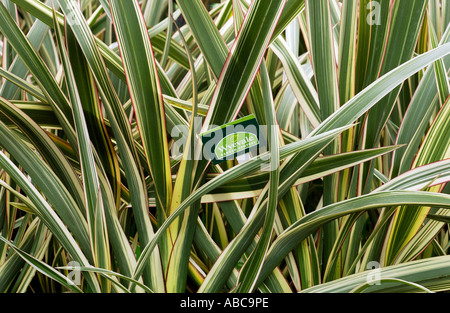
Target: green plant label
233	139
235	143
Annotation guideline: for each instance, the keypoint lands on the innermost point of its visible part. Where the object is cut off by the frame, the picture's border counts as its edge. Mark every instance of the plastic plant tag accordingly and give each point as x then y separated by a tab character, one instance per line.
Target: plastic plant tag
239	139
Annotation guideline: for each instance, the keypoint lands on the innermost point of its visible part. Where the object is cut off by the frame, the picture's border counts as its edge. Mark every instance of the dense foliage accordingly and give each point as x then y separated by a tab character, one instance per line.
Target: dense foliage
103	185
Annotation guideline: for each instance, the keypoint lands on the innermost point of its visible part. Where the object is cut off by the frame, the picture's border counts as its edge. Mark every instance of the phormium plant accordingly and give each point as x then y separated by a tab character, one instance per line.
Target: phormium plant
105	186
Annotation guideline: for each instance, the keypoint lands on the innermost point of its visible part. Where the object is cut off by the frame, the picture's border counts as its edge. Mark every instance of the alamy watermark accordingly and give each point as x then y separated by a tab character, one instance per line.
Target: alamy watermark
74	276
374	17
374	274
70	11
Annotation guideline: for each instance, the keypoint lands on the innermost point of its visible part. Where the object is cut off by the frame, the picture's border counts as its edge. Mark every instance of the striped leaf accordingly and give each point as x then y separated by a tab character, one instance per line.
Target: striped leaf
34	63
145	93
429	273
249	272
43	268
48	215
230	93
299	230
406	224
121	129
232	173
95	214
